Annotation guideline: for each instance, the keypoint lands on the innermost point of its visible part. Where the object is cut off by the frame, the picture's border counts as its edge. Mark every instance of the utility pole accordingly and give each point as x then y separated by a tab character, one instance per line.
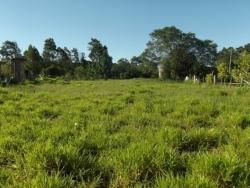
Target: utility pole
230	66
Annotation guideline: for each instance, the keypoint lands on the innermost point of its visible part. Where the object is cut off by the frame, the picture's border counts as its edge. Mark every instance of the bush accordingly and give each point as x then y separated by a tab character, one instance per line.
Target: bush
54	71
209	79
80	73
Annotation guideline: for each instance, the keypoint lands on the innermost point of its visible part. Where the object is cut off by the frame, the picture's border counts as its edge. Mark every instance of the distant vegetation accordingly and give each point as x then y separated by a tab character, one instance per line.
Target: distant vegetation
124	133
67	132
182	54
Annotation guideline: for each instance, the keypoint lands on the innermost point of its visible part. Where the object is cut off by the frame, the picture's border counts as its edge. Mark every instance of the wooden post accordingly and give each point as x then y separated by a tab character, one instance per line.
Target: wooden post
230	66
214	79
241	80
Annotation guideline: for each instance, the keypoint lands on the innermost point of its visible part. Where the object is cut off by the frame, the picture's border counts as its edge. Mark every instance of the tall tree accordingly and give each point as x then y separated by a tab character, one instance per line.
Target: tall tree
68	52
49	50
181	63
32	54
101	61
242	70
64	62
226	53
33	61
75	56
124	69
9	49
62	56
167	42
136	60
223	73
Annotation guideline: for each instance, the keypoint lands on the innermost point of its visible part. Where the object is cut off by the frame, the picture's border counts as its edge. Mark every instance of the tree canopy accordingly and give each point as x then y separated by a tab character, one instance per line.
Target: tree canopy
9	49
101	61
182	53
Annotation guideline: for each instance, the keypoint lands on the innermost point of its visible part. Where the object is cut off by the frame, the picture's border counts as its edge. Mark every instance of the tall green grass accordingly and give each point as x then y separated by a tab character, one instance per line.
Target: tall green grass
124	133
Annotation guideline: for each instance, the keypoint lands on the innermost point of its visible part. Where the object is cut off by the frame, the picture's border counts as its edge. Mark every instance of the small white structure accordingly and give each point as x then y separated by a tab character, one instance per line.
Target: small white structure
196	80
187	78
161	69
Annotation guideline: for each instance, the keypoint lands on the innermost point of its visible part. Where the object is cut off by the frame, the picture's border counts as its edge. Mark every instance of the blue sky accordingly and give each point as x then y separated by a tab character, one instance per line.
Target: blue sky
122	25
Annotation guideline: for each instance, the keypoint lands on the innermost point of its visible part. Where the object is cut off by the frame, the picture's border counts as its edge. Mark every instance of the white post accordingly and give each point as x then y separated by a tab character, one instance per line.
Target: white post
161	71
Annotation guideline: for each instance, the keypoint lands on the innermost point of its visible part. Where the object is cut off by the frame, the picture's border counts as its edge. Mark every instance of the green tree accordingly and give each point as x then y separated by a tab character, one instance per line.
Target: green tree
68	52
147	66
49	50
181	63
247	48
62	56
136	60
182	52
243	66
123	69
64	62
9	49
81	72
101	61
83	59
226	53
75	56
33	61
32	54
223	73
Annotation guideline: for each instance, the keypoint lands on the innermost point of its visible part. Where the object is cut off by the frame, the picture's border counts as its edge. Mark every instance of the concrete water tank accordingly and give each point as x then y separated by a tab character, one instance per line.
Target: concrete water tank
161	69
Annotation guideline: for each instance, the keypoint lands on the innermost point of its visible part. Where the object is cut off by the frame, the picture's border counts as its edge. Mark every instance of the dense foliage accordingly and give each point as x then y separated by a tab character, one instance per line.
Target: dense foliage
115	133
182	54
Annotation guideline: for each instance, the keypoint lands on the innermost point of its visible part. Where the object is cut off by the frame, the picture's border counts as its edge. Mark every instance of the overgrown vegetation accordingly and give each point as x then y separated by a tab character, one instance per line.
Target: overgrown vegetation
124	133
182	54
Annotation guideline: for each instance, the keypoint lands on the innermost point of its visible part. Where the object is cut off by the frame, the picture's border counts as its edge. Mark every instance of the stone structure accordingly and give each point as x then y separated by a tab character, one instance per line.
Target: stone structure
161	69
17	66
3	71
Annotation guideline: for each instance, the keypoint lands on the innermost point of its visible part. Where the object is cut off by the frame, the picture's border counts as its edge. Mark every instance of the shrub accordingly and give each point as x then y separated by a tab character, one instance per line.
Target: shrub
80	73
209	79
54	71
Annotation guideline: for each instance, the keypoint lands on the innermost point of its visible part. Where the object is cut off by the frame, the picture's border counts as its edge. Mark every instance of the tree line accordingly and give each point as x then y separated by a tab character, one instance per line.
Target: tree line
182	54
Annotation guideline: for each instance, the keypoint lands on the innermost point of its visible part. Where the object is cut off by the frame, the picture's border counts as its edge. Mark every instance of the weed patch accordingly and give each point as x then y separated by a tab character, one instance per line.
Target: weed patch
48	114
199	140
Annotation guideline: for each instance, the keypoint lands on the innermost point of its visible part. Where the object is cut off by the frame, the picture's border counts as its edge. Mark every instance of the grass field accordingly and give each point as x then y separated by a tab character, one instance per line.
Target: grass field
124	133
